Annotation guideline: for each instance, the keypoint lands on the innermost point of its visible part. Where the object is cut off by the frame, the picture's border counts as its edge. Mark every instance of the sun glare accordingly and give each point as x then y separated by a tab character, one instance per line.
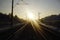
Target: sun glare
31	16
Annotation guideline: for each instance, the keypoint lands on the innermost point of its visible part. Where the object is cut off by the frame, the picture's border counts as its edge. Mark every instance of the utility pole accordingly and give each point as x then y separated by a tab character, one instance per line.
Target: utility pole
12	13
12	7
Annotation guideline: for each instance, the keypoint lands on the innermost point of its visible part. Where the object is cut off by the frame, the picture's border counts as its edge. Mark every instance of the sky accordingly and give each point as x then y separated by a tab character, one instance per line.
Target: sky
44	7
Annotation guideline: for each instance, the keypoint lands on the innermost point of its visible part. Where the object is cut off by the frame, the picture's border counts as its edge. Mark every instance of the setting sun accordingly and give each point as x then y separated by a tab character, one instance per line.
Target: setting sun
31	16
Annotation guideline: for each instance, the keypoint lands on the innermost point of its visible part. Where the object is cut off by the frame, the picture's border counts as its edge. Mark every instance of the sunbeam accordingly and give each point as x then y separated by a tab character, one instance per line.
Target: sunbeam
47	29
37	29
19	30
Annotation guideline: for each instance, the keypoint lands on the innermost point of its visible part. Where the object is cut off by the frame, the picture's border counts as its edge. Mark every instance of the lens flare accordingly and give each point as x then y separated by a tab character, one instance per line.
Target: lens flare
31	16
